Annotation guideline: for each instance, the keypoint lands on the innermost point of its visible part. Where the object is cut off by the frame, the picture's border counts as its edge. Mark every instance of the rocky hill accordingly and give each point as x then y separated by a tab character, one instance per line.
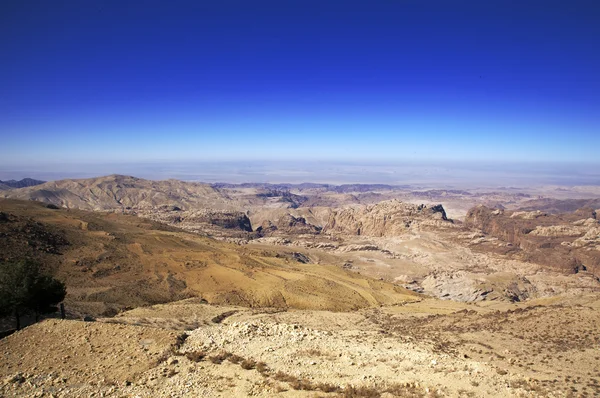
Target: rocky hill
222	223
25	182
315	302
117	192
288	225
112	261
387	218
568	241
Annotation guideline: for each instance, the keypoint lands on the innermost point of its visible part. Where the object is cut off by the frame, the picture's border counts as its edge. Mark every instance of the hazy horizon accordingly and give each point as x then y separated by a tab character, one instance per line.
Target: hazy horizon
417	174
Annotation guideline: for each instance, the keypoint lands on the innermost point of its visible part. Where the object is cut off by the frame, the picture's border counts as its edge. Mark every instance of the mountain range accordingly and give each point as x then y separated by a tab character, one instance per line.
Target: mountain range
25	182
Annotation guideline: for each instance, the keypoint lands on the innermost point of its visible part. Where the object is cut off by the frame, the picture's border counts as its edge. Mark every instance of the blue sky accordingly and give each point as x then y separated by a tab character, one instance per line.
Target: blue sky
161	81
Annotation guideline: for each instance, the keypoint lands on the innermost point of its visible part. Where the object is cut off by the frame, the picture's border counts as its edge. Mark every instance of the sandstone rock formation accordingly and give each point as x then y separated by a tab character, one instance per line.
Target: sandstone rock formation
288	225
196	220
554	240
388	218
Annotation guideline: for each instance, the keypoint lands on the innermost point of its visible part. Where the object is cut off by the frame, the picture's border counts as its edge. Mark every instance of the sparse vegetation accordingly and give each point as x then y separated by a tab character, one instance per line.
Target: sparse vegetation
469	348
248	364
181	338
235	359
219	358
360	391
262	368
195	356
327	387
24	288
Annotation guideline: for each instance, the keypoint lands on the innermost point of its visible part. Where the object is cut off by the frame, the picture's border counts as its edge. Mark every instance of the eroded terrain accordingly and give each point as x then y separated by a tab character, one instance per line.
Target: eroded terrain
425	348
307	290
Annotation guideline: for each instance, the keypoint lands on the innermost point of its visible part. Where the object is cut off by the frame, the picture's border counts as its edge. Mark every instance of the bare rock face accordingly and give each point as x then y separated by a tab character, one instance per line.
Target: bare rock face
196	220
508	226
288	225
388	218
568	242
223	219
590	240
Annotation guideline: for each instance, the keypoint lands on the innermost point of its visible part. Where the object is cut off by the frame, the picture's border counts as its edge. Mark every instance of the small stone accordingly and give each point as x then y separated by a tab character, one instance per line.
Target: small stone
172	361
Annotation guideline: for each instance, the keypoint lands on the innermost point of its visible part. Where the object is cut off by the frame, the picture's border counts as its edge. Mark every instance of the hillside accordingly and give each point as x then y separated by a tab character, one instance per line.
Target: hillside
25	182
117	192
113	261
422	349
315	302
387	218
569	242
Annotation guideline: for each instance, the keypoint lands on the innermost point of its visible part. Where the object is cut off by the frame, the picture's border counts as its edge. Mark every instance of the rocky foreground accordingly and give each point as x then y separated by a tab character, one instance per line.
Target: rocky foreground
423	349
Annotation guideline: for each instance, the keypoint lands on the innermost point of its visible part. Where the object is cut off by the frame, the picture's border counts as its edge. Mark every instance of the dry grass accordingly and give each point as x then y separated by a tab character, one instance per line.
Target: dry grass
195	356
180	340
311	352
248	364
327	387
281	376
295	382
219	358
262	368
407	390
302	384
235	359
362	391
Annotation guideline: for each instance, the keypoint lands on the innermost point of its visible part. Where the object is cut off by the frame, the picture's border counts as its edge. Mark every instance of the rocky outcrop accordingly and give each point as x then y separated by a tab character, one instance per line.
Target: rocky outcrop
223	219
469	287
288	225
508	226
591	239
566	242
388	218
282	196
196	220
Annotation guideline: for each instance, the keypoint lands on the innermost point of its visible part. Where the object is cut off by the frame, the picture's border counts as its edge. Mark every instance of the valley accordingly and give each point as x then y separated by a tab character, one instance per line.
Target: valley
307	289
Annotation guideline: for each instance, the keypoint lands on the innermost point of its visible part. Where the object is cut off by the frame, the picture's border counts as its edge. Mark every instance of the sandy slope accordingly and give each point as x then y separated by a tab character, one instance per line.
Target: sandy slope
113	261
427	348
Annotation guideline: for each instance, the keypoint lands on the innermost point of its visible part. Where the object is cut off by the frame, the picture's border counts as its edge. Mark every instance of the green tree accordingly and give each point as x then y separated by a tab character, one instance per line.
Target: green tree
25	289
